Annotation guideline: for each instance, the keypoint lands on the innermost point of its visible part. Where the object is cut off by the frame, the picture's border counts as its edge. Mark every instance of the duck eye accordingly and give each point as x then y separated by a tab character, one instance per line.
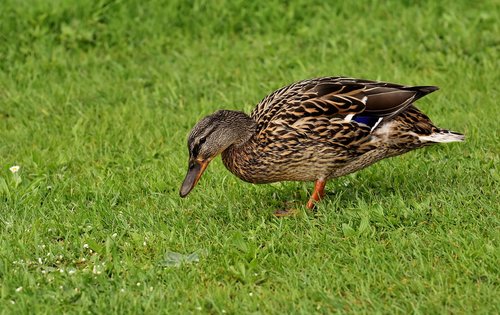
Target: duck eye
196	148
202	140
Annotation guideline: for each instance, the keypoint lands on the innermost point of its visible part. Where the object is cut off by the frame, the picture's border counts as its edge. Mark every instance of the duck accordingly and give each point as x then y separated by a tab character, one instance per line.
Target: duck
314	130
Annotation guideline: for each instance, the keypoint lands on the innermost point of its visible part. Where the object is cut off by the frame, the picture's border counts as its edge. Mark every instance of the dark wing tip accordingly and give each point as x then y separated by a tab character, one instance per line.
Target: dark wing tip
425	89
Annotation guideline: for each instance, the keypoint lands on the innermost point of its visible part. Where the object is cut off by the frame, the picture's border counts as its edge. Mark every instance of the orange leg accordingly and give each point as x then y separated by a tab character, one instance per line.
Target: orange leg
318	193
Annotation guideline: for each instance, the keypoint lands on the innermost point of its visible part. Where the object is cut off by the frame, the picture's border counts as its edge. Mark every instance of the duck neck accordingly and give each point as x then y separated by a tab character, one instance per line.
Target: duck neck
236	155
239	129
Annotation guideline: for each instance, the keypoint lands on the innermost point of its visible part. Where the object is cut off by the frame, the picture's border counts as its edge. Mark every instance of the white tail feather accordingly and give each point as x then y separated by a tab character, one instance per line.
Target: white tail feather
443	136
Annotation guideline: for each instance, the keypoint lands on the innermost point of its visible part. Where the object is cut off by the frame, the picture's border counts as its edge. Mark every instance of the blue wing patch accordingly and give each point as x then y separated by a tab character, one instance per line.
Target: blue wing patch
371	121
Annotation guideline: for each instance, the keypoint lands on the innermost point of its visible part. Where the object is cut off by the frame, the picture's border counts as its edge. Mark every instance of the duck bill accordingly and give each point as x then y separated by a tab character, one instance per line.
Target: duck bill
195	170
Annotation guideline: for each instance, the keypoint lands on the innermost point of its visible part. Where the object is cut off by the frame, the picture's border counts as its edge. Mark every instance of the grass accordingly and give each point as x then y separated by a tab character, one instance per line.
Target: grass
96	100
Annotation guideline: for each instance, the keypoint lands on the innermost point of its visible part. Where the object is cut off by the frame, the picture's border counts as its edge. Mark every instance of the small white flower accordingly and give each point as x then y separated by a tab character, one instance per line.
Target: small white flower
96	270
71	271
85	245
114	235
138	284
19	289
251	293
14	169
144	243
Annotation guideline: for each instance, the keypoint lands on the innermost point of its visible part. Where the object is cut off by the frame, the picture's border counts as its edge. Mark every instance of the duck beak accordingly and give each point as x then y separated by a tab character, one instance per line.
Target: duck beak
195	169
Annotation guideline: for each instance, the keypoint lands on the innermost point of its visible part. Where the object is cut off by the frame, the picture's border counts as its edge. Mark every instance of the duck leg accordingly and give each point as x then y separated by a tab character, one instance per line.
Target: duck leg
318	193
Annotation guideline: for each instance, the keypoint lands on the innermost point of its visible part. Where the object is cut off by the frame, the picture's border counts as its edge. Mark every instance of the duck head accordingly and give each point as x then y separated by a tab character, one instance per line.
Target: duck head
210	137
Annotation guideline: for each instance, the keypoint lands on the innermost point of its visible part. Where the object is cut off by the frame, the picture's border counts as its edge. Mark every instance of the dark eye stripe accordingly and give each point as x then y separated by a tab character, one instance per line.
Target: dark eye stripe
196	147
195	151
202	140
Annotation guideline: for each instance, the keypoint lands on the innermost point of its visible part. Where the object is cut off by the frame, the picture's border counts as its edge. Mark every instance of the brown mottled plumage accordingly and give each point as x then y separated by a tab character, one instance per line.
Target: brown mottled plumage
314	130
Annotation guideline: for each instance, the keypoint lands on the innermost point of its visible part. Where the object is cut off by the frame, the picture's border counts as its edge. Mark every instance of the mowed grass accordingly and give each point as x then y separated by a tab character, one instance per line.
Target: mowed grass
96	100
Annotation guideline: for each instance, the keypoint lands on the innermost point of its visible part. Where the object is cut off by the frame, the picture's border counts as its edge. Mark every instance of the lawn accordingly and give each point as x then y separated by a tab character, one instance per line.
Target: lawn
97	99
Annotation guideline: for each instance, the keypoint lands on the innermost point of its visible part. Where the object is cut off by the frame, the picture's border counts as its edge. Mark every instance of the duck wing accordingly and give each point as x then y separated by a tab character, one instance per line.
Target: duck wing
366	102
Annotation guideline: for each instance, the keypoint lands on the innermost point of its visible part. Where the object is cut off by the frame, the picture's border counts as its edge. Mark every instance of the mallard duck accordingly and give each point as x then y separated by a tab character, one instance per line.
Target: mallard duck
314	130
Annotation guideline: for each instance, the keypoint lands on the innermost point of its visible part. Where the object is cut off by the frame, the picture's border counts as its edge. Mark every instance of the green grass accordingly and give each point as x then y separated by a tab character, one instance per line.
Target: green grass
96	100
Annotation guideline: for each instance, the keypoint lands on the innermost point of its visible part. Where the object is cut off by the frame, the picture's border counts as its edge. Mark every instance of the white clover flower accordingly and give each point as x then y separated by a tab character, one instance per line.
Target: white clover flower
14	169
19	289
96	270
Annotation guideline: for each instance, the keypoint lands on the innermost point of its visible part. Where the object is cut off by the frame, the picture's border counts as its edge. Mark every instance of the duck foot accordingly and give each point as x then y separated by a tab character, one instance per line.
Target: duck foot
318	193
286	213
